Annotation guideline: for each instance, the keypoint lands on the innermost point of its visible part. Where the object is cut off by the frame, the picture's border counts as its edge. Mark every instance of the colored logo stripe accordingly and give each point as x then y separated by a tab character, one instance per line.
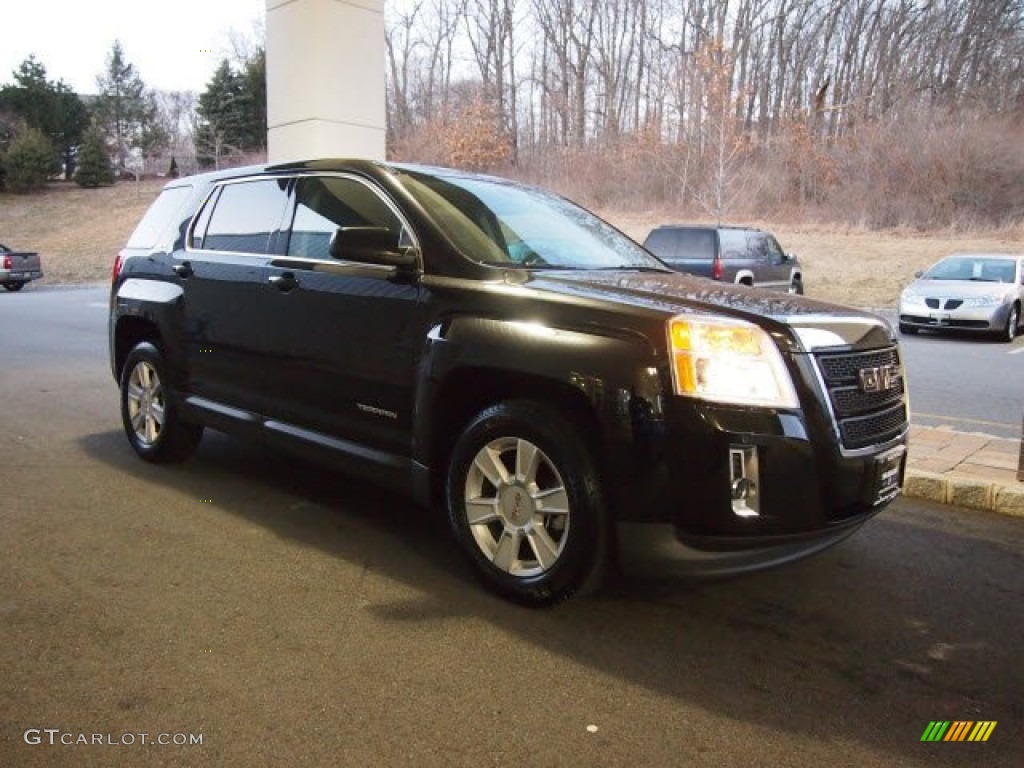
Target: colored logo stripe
958	730
982	731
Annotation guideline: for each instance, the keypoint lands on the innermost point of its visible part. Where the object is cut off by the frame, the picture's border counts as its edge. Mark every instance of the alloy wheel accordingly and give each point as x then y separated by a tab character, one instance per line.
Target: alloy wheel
516	507
145	402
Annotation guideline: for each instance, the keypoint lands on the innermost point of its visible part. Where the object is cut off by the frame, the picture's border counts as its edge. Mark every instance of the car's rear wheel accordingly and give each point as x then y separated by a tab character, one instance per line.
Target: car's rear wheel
1012	324
151	421
14	285
525	504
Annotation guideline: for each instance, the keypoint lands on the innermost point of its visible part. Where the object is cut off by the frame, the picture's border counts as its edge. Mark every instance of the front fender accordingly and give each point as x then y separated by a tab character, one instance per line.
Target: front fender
618	373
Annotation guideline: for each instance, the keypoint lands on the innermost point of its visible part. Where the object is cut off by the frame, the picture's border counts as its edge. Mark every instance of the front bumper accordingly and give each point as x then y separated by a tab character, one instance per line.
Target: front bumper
660	549
983	319
679	514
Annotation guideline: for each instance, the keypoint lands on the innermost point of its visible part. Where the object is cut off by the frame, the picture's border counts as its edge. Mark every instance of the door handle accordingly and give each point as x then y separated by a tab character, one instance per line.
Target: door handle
184	269
283	282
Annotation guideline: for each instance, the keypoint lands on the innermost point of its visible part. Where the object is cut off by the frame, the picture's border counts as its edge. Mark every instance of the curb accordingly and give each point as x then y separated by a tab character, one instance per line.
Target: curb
963	492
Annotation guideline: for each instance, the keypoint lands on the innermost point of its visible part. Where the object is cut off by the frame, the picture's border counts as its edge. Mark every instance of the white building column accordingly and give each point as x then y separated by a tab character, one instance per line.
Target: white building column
325	79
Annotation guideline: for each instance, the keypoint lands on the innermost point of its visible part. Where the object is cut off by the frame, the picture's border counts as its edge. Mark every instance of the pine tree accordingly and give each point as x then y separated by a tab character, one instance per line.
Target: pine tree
29	161
121	105
51	108
93	162
254	79
224	116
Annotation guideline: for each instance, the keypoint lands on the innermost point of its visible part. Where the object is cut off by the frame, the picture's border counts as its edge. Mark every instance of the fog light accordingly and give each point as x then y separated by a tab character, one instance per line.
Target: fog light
743	480
741	489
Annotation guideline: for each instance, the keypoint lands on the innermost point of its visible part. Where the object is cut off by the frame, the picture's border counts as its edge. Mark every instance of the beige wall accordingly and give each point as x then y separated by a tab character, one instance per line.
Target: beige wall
325	79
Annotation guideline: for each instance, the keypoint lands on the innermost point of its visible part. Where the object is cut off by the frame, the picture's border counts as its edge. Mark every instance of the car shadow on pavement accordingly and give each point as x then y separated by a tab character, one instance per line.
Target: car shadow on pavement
908	621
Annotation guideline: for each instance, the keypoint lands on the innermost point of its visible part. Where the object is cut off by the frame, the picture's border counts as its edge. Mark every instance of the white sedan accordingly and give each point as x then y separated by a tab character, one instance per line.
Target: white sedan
981	292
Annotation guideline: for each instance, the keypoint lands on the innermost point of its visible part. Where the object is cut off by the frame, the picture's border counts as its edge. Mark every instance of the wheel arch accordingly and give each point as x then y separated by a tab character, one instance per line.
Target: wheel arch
128	333
467	391
744	277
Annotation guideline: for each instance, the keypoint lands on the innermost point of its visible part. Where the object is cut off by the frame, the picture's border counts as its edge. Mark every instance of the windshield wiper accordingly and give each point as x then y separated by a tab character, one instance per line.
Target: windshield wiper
633	268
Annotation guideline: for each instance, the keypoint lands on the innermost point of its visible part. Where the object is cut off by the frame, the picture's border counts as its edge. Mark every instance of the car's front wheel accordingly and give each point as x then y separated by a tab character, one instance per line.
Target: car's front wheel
797	286
155	429
1012	324
525	504
908	330
14	285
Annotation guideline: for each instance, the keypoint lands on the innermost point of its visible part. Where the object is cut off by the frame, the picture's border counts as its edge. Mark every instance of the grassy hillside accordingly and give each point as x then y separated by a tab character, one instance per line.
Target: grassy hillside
79	232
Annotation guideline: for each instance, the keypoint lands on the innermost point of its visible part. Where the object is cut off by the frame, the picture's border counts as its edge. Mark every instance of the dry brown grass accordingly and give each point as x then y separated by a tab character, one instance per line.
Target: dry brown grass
855	266
79	232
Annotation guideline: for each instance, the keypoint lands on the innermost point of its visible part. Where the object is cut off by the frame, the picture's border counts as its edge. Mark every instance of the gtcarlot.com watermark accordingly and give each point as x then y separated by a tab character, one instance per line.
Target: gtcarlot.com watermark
56	737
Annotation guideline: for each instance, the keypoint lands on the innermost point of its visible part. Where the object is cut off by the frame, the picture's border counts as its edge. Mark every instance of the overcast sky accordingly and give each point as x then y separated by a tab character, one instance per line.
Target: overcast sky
174	44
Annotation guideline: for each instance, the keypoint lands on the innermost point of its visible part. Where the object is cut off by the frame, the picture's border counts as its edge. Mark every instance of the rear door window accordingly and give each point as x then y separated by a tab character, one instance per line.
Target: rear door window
662	243
244	217
734	244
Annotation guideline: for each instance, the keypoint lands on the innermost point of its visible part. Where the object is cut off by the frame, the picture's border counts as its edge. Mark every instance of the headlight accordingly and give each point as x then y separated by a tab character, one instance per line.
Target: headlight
728	361
982	301
911	297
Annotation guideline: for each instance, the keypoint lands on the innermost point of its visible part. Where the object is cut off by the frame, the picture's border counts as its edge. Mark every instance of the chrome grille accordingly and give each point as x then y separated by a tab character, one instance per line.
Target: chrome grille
863	418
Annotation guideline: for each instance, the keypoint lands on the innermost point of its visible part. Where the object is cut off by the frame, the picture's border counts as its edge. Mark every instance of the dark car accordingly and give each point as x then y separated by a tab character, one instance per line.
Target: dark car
17	268
730	254
498	351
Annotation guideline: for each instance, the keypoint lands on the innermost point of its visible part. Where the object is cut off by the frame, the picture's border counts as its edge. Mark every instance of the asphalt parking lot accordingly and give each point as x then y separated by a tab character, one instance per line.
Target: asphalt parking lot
290	616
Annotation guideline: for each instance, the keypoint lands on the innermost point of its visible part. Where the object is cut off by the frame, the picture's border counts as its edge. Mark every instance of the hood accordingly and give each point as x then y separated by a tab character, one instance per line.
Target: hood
959	289
676	292
816	324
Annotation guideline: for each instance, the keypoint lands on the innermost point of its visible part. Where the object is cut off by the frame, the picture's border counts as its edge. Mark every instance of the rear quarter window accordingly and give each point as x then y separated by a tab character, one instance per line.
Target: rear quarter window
162	214
662	243
695	244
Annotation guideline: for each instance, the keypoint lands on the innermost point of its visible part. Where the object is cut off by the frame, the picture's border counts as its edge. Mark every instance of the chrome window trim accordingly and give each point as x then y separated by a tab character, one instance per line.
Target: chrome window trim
214	188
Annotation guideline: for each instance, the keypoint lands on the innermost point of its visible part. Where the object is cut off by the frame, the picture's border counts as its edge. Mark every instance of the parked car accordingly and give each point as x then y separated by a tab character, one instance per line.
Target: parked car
730	254
18	267
497	350
974	292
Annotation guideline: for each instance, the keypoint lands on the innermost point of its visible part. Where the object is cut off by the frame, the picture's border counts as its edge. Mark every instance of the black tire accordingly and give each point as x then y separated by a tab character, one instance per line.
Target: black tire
150	418
908	330
797	286
1009	333
14	285
552	510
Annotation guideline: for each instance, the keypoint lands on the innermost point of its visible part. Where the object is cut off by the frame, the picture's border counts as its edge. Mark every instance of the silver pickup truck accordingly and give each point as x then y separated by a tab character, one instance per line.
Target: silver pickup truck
18	268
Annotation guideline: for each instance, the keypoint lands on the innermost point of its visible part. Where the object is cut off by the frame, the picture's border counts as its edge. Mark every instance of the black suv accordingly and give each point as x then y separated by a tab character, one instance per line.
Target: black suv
497	350
730	254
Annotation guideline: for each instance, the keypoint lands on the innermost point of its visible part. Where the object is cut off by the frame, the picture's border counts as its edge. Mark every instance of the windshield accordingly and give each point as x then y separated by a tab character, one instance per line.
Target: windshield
502	224
972	268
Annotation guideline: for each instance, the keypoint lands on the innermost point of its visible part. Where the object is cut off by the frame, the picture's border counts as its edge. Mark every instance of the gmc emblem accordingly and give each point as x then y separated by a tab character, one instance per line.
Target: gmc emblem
879	379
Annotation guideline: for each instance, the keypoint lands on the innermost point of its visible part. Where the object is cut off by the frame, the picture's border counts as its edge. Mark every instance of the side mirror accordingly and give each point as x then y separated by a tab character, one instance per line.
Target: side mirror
372	245
790	257
918	273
